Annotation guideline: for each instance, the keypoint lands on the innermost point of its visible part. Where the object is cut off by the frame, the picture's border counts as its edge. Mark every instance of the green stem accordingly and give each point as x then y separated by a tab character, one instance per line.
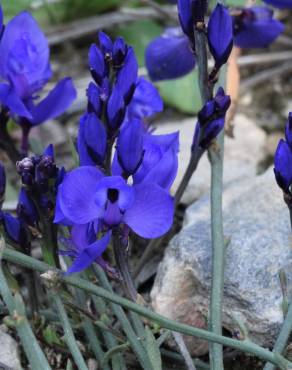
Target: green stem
218	246
216	160
16	309
68	332
125	323
245	345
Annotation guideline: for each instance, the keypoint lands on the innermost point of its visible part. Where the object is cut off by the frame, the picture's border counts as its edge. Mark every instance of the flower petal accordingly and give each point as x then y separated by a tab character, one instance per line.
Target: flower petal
76	195
220	34
89	254
283	165
57	101
152	212
169	56
146	100
10	99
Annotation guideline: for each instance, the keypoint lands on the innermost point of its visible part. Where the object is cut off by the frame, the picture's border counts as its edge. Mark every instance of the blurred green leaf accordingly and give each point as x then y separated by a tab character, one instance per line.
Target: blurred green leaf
51	336
138	35
11	194
183	93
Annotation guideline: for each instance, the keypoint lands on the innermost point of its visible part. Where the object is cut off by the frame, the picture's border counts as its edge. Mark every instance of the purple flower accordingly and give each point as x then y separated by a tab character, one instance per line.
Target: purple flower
86	195
220	35
92	140
283	158
169	56
84	248
25	66
160	162
211	120
146	101
255	27
281	4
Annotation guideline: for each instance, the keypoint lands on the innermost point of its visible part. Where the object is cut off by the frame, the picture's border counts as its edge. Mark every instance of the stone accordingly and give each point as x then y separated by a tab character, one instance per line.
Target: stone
256	220
241	156
9	355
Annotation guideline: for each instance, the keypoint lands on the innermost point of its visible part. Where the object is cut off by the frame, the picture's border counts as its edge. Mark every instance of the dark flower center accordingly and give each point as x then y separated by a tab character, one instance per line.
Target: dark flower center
112	195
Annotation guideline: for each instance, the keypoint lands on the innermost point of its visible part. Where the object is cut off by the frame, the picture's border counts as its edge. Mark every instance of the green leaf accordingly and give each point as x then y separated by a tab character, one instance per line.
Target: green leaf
153	350
139	34
182	93
51	336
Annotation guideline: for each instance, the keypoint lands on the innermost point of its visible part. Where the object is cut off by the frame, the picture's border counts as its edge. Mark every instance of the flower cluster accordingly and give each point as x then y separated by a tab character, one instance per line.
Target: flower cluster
128	190
37	197
283	159
172	54
211	120
24	70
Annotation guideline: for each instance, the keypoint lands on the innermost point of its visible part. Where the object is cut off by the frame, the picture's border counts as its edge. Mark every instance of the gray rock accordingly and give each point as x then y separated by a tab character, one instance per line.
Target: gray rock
257	222
9	355
242	154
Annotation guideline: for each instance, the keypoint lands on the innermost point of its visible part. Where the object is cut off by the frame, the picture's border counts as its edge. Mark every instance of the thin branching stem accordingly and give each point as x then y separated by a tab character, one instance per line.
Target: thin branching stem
68	332
164	322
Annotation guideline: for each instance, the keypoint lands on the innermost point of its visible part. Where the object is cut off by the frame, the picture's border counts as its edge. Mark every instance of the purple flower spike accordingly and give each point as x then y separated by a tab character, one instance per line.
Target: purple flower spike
86	196
169	56
146	101
283	166
256	28
281	4
220	35
130	146
211	120
91	143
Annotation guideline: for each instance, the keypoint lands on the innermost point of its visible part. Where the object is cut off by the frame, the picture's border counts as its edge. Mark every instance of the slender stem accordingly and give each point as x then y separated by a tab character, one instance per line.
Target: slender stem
216	160
283	337
89	330
121	257
184	351
125	323
68	332
215	318
164	322
16	309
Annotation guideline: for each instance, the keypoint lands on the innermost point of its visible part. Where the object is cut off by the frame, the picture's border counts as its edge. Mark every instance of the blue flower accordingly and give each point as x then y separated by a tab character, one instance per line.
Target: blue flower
220	35
169	56
25	66
283	159
86	195
281	4
255	27
191	12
